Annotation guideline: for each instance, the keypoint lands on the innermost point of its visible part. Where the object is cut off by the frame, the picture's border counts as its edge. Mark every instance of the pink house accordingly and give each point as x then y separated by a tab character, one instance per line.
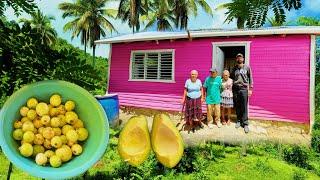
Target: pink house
149	69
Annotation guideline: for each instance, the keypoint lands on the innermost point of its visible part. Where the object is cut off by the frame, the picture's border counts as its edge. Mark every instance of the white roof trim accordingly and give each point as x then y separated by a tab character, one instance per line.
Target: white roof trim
147	36
143	36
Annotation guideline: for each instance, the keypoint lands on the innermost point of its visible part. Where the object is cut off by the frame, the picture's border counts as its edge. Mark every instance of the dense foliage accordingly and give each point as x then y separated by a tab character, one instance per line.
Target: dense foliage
18	6
165	14
253	13
25	59
296	155
90	19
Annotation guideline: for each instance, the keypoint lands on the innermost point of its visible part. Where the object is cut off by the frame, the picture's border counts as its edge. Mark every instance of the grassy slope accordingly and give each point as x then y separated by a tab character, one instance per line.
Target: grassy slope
224	162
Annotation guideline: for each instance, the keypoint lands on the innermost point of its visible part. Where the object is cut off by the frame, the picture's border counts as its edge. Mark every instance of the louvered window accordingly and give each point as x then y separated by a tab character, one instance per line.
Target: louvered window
152	65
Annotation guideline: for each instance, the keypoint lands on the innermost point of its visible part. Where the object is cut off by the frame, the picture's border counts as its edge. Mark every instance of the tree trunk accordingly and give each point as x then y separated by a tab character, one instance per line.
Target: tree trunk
85	46
93	54
240	23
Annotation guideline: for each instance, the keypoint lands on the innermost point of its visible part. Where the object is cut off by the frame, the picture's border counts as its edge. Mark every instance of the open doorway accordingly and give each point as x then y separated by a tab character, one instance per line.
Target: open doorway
224	54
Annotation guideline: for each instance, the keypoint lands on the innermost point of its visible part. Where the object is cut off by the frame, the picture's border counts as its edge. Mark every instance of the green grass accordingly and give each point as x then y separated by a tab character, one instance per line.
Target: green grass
207	161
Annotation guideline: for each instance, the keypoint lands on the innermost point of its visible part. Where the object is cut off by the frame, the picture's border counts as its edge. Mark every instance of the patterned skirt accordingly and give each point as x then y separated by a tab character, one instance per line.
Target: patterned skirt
227	102
193	110
227	99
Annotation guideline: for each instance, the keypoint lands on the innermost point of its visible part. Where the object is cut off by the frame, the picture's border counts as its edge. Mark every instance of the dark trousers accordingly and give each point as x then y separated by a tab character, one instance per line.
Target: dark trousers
240	98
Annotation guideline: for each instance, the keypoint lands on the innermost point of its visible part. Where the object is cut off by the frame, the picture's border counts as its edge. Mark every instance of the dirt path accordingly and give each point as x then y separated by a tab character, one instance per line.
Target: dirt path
231	135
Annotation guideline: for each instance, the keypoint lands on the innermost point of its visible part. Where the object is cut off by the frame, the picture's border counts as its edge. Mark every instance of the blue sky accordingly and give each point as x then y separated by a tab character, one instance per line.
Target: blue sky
202	21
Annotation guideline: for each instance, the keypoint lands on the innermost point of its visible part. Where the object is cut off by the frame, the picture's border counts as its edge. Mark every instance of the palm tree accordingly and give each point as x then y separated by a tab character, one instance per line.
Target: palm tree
308	21
253	13
182	9
131	11
169	13
273	22
161	14
75	10
89	20
237	9
42	25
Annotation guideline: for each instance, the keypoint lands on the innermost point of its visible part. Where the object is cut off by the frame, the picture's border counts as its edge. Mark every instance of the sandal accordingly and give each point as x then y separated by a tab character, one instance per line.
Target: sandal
228	122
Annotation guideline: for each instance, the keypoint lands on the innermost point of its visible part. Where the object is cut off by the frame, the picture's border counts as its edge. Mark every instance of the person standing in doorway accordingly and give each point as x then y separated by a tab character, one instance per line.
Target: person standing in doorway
212	87
242	89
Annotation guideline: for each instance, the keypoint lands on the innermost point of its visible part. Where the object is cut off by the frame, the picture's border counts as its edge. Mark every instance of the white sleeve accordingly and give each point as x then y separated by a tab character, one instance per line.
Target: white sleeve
186	83
199	82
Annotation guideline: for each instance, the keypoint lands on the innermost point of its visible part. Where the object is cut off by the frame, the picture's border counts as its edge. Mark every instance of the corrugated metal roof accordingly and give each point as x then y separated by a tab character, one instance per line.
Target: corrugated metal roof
160	35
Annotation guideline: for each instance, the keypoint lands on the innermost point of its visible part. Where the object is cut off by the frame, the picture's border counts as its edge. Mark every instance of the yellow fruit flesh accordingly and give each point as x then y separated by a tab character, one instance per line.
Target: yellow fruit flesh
134	143
167	142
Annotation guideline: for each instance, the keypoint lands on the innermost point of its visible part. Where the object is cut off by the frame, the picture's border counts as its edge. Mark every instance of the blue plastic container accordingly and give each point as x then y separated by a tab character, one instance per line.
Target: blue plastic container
110	104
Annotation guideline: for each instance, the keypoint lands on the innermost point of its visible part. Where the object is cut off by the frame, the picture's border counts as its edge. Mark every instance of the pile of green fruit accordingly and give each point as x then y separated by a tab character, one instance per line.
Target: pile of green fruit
50	133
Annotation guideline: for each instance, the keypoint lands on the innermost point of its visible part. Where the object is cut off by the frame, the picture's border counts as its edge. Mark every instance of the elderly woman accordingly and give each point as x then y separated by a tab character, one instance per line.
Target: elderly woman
226	97
193	98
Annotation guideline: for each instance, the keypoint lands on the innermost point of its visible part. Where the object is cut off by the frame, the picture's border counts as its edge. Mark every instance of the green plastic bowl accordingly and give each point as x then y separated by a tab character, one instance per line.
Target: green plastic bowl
88	109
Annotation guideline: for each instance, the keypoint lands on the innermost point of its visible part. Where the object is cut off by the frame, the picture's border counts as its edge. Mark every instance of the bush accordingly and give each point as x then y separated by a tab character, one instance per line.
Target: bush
296	155
317	92
299	175
187	163
194	159
24	59
316	125
315	140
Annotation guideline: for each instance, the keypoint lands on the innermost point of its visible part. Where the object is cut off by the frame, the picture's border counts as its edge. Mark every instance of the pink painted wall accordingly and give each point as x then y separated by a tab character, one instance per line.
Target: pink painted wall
280	68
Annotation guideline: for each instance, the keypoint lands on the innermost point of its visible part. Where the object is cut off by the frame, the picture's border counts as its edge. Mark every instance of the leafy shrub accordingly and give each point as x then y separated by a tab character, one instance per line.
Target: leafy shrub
316	124
187	163
317	94
315	140
194	159
24	59
299	175
296	155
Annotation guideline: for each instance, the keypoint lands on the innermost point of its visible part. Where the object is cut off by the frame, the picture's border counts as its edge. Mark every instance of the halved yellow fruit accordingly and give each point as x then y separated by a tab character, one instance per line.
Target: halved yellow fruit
134	142
167	142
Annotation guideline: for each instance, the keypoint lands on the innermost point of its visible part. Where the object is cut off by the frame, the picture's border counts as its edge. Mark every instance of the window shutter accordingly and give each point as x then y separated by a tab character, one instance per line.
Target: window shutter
166	66
138	66
152	65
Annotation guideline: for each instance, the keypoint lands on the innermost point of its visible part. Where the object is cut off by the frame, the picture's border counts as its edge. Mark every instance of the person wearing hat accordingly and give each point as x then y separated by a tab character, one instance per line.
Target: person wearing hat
212	86
242	89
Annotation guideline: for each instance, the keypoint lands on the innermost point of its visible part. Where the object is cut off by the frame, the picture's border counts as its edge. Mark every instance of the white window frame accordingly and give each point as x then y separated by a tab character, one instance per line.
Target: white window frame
153	51
246	45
